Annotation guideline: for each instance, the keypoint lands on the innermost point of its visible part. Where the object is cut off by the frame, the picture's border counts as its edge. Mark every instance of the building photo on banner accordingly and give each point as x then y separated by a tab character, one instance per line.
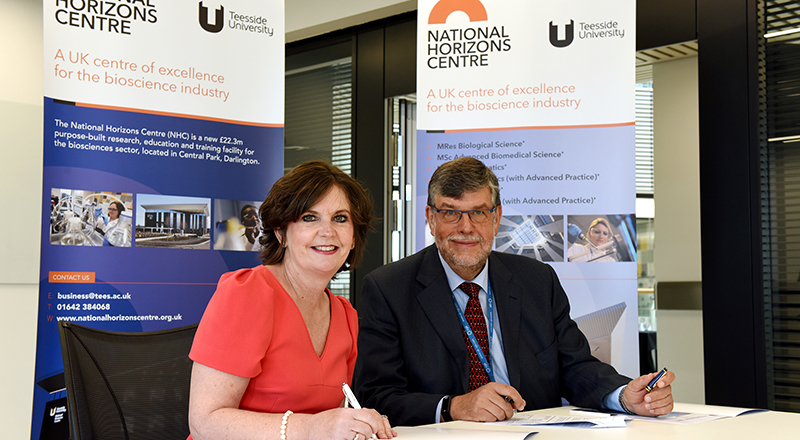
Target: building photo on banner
163	131
541	94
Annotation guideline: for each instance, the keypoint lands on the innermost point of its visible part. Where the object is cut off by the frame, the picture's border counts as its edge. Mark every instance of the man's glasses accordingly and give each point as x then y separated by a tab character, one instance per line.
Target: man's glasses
454	215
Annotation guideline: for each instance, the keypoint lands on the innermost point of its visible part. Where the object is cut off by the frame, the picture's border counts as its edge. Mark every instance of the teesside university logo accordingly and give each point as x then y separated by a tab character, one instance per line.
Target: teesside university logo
569	34
237	20
219	18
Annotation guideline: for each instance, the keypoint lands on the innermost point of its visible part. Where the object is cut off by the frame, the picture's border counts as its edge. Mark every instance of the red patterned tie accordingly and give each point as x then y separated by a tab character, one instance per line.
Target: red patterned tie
477	374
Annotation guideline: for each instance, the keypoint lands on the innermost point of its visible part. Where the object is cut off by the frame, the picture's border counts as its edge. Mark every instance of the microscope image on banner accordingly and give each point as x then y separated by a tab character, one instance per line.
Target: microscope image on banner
90	218
601	238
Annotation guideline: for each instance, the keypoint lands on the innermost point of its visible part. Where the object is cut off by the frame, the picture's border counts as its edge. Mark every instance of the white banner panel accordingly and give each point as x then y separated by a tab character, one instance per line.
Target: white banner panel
155	55
525	64
543	94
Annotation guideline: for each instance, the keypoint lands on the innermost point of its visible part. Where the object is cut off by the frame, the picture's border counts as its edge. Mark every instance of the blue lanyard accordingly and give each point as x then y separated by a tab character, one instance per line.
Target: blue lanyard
473	340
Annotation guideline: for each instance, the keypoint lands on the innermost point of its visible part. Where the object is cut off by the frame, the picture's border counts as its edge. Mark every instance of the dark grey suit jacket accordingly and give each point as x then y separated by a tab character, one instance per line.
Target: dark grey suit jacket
411	350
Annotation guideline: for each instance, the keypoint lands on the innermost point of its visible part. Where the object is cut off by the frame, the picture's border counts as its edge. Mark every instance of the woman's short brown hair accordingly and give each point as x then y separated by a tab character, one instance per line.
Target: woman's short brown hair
296	192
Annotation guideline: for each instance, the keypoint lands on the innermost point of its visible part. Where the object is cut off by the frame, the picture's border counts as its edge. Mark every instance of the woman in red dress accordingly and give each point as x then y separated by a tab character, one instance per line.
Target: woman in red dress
274	345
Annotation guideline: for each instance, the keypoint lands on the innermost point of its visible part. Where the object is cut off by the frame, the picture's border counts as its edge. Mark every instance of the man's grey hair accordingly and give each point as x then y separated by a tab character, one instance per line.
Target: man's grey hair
466	174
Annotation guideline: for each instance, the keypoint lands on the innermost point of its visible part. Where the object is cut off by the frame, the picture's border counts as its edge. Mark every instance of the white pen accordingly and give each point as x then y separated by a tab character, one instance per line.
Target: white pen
350	397
348	394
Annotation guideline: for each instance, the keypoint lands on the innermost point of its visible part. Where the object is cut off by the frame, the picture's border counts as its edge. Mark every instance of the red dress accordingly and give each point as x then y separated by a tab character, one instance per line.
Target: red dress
252	328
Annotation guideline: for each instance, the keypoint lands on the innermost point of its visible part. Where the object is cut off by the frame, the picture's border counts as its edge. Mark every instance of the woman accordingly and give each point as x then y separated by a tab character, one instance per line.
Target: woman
599	234
117	233
114	210
274	345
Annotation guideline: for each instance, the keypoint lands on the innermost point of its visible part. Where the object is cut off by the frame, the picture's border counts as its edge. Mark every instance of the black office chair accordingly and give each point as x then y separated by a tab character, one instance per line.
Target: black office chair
127	386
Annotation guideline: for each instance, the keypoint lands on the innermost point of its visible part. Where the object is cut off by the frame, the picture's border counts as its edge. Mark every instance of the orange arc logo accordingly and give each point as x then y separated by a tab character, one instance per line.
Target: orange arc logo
443	8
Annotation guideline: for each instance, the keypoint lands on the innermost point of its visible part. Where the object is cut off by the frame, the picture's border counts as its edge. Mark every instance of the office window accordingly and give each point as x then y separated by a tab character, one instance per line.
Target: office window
645	206
318	116
780	164
644	132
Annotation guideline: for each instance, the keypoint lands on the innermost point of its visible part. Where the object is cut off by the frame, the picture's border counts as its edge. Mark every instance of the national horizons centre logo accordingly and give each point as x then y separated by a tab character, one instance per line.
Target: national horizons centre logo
472	46
236	20
463	47
105	16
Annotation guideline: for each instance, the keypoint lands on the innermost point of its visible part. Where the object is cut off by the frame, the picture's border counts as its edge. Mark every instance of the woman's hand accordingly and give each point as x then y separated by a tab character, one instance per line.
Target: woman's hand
347	423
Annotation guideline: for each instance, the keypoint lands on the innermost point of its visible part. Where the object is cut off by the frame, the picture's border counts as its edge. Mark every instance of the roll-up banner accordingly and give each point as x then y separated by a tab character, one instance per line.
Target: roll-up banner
163	131
543	94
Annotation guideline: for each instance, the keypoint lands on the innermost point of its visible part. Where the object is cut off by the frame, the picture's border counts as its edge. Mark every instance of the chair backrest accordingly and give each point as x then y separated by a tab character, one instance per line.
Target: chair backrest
131	386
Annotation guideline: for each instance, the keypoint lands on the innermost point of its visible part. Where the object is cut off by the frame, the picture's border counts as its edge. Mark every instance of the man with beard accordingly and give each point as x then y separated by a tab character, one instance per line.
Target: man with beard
458	332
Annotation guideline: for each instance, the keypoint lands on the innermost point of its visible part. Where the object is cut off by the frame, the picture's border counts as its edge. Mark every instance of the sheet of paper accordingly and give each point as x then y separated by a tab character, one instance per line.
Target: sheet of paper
729	411
434	433
528	419
683	413
689	413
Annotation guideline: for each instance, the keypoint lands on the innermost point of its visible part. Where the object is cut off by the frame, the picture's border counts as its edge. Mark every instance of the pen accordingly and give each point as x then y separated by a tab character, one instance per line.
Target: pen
655	380
349	396
510	402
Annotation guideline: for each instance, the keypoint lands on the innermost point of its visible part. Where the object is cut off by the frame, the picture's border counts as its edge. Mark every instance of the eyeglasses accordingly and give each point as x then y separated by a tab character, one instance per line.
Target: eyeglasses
454	215
113	209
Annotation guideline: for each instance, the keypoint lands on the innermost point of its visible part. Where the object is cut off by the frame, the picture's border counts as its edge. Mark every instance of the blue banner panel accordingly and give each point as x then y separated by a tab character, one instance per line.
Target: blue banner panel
163	131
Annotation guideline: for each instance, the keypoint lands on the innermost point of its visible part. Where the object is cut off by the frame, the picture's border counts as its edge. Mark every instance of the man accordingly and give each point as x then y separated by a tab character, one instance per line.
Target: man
422	332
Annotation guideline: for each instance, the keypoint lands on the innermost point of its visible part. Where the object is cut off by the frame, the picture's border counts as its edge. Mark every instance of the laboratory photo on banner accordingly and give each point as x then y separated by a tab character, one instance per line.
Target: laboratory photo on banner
536	236
236	225
90	218
175	222
601	238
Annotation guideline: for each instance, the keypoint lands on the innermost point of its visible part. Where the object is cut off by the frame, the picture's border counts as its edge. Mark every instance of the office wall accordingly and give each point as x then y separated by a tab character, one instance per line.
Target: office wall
21	183
677	172
677	255
677	223
308	18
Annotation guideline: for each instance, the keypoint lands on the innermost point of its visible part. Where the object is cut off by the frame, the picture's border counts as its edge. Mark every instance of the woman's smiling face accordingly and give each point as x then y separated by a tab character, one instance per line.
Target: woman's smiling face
321	239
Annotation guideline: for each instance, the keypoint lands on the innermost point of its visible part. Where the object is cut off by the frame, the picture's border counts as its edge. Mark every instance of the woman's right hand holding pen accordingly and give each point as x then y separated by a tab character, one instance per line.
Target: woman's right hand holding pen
347	424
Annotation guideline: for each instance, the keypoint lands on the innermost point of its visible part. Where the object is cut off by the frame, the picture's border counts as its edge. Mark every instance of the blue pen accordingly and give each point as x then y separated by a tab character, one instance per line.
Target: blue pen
655	380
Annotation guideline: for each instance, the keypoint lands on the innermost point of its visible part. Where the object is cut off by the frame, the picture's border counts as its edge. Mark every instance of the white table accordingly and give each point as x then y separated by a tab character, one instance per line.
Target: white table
757	426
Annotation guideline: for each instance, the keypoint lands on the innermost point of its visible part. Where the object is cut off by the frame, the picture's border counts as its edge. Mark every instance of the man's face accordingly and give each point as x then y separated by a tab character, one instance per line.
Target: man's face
465	245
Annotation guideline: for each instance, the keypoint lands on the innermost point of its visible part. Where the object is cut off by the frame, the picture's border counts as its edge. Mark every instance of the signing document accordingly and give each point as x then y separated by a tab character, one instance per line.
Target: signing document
574	421
682	414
